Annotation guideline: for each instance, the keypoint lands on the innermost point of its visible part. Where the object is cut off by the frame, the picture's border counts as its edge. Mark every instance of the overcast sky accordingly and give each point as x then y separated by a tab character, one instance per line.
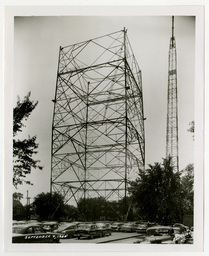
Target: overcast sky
36	49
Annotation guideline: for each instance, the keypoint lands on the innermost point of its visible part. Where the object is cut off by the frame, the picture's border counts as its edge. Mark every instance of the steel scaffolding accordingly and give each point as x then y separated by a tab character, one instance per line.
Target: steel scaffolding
98	142
172	107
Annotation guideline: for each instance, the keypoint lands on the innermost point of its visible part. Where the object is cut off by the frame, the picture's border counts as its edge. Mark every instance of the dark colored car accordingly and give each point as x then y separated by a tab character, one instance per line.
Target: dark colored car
50	226
89	230
116	226
32	233
159	235
106	228
66	230
129	227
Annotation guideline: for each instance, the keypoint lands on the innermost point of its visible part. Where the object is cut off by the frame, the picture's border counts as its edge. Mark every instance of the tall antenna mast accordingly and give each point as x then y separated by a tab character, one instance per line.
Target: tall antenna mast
172	26
172	105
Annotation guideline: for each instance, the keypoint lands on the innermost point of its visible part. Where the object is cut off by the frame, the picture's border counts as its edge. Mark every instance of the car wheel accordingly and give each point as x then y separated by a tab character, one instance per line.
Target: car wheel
91	236
79	237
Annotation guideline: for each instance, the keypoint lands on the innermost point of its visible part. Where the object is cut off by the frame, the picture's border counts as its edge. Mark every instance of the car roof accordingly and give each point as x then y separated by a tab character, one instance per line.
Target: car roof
159	227
26	225
176	227
67	225
49	222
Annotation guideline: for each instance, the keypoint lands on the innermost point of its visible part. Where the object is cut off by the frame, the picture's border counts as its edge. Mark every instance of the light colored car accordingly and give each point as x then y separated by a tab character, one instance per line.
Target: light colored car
184	228
32	233
179	235
116	226
141	228
106	228
159	235
50	226
128	227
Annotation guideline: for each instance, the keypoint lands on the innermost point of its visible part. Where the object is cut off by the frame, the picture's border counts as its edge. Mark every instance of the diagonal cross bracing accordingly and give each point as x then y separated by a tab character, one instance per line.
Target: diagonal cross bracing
98	142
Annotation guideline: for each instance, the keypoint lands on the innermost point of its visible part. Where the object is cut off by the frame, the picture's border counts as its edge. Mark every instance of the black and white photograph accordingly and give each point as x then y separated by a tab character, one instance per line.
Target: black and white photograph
106	117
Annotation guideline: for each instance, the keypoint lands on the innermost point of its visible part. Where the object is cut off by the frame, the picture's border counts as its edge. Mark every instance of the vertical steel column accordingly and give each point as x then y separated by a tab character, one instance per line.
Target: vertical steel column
126	119
86	141
53	119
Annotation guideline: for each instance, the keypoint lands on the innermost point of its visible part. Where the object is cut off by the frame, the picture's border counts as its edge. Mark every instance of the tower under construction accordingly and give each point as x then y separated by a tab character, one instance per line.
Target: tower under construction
172	107
98	142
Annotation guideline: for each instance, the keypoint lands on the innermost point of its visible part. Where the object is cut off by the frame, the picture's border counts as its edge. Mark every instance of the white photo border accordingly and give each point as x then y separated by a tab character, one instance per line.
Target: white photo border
200	141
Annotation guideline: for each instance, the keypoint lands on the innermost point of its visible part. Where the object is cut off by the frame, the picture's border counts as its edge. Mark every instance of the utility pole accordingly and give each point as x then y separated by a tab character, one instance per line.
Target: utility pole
28	206
28	199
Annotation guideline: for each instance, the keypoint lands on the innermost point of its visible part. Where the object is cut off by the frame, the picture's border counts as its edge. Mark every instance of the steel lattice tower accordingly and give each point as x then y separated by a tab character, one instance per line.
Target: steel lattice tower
172	107
98	142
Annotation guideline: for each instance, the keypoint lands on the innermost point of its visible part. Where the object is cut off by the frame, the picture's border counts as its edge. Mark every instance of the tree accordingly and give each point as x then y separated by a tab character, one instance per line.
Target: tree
49	206
157	194
17	196
71	213
191	128
187	183
23	150
92	208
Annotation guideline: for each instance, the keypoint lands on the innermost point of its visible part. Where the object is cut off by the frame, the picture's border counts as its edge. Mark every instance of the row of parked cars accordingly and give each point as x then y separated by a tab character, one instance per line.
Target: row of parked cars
174	234
52	232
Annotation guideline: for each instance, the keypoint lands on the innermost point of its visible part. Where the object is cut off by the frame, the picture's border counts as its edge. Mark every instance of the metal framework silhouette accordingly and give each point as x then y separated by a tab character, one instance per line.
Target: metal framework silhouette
98	142
172	107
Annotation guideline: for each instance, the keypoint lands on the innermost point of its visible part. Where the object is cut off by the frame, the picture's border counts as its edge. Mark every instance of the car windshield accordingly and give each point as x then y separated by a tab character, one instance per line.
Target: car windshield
128	225
63	227
156	232
101	225
17	230
46	226
84	226
177	231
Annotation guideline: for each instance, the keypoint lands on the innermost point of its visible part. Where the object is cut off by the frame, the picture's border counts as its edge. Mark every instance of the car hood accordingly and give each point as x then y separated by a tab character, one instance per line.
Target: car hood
158	239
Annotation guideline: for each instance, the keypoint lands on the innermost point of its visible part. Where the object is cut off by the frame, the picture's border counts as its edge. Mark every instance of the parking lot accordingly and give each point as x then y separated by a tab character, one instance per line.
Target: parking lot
98	233
115	238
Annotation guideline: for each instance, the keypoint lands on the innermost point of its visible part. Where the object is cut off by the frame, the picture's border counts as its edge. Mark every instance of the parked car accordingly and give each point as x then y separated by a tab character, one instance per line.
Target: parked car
18	222
141	228
50	226
66	230
184	228
89	230
106	228
116	226
129	227
159	235
188	232
32	233
179	235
